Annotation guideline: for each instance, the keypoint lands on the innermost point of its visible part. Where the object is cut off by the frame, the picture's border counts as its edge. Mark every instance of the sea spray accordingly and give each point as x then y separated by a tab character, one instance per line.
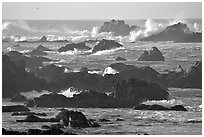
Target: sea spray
165	103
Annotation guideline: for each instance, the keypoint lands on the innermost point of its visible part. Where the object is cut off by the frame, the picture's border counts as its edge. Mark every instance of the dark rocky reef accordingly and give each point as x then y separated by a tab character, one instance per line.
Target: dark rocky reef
153	55
106	45
42	48
17	108
117	27
33	118
120	59
43	39
159	107
72	46
178	33
127	93
28	113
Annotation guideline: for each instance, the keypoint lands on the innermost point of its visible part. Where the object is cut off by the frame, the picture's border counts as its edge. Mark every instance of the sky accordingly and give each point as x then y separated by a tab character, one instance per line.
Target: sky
101	10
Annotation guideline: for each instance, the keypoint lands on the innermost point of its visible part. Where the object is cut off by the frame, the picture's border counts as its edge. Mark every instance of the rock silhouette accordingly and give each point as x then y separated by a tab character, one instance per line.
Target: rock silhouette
153	55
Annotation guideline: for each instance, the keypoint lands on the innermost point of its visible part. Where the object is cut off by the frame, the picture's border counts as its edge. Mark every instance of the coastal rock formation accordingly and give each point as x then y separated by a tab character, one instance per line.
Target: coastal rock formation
120	59
153	55
177	32
33	118
75	119
18	98
72	46
37	52
31	62
16	108
106	45
117	27
43	39
127	93
159	107
28	113
14	74
192	78
42	48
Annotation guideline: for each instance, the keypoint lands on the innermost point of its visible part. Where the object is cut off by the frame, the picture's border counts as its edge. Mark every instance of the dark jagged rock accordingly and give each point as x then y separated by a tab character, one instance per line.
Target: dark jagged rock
51	131
33	118
15	79
153	55
30	62
104	120
178	32
51	73
28	113
159	107
191	78
178	108
117	27
16	108
74	119
122	67
18	98
133	91
120	59
119	119
37	52
42	48
72	46
106	45
43	39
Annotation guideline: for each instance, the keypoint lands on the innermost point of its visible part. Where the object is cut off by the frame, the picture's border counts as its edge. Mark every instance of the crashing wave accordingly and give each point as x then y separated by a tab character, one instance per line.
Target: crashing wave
70	92
110	70
165	103
102	52
32	94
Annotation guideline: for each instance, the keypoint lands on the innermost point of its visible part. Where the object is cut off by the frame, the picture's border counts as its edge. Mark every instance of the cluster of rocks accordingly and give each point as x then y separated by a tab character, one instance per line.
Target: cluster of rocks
117	27
159	107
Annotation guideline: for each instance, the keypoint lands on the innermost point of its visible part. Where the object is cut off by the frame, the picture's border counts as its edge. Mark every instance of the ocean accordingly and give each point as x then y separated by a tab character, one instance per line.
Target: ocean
135	121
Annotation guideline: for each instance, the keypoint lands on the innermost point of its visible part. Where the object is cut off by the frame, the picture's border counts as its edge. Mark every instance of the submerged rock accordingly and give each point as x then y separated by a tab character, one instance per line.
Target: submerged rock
159	107
28	113
16	108
153	55
106	45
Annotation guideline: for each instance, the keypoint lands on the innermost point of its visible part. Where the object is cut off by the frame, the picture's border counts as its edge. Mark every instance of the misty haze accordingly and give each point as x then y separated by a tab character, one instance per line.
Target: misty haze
71	69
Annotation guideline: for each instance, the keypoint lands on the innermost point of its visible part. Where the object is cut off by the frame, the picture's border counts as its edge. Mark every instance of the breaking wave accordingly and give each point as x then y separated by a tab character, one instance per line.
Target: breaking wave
165	103
32	94
108	51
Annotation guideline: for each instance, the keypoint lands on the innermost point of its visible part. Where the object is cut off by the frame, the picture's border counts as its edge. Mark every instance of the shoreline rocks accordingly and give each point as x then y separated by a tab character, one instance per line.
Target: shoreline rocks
153	55
73	46
17	108
159	107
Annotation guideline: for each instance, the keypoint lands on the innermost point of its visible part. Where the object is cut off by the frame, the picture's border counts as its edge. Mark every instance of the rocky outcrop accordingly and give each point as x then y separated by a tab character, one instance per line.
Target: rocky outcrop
28	113
42	48
15	79
43	39
178	33
72	46
117	27
106	45
120	59
37	52
33	118
75	119
31	62
153	55
159	107
192	78
16	108
18	98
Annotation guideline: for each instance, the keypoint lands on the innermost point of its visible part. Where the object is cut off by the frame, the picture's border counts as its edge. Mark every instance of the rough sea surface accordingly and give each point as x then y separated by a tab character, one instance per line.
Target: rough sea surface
131	121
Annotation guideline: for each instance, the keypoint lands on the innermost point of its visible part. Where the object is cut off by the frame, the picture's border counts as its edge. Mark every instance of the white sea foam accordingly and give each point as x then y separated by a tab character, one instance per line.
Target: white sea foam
165	103
32	94
69	92
102	52
109	70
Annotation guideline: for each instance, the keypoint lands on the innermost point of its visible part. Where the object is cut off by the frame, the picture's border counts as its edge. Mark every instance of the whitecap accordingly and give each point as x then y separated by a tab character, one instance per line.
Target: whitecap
165	103
108	51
